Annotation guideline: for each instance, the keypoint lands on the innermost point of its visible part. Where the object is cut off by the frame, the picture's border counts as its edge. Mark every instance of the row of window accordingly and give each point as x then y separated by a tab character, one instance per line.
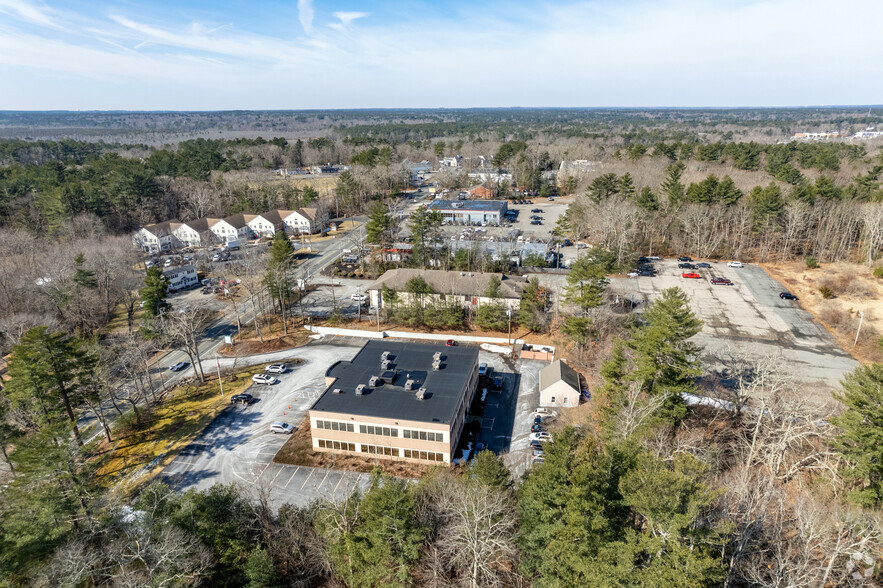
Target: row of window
423	435
335	426
372	430
393	451
325	444
426	455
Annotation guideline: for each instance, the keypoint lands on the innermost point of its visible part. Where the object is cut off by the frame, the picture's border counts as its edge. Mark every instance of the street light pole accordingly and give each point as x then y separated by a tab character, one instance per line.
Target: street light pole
220	381
509	333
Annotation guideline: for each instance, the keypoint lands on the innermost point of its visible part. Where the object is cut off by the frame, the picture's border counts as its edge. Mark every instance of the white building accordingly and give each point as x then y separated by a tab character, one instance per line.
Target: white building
181	277
301	221
559	385
450	161
158	237
233	228
267	224
197	233
468	289
482	175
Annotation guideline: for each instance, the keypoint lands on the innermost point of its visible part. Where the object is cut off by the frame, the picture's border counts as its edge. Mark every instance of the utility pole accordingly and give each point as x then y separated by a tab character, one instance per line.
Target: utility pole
220	381
509	333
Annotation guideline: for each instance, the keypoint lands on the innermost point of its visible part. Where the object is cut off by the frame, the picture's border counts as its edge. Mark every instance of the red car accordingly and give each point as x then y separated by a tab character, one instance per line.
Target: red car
450	343
692	275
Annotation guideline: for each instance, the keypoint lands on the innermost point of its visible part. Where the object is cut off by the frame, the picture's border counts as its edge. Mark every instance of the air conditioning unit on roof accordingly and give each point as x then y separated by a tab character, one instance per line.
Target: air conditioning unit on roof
436	365
409	385
374	381
360	389
384	355
437	356
421	394
337	391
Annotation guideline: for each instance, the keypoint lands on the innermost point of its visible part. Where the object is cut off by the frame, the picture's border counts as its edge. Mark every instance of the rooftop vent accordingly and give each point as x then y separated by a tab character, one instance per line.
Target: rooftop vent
360	389
337	391
409	385
421	394
375	381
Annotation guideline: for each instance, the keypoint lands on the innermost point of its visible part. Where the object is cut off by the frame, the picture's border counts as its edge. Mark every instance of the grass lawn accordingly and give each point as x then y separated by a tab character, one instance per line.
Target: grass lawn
135	458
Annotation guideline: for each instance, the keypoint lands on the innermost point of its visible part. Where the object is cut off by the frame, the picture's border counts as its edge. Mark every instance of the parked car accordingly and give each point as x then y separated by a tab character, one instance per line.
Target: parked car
536	222
538	453
691	275
703	265
685	258
482	369
177	367
498	383
537	210
788	296
450	343
686	266
242	398
721	282
279	427
735	264
276	368
541	436
359	297
536	444
263	379
536	428
543	413
537	459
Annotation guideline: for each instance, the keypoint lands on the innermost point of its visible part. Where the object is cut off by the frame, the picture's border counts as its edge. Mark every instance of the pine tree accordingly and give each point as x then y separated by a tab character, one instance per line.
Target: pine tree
647	199
154	292
672	186
378	225
627	185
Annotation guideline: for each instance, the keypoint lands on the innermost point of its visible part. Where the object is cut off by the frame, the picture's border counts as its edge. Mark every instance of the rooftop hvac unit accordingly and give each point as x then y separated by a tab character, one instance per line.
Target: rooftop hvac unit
384	364
360	389
384	355
337	391
421	394
409	385
436	365
374	381
437	356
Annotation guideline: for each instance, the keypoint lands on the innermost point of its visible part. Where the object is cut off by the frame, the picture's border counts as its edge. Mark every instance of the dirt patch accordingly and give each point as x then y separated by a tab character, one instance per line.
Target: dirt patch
855	290
298	450
255	346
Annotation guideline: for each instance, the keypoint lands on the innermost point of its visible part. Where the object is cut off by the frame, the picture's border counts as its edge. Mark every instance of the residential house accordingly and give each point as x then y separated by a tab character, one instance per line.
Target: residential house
468	289
197	233
267	224
233	228
158	237
181	277
302	220
559	385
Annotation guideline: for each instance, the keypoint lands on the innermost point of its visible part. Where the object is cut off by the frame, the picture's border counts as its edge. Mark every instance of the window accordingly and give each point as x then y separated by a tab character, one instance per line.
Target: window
380	450
423	435
335	426
339	445
424	455
553	400
374	430
565	400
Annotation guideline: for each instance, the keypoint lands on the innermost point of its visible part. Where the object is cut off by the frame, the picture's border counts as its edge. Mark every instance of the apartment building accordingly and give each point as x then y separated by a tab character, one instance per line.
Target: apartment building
404	401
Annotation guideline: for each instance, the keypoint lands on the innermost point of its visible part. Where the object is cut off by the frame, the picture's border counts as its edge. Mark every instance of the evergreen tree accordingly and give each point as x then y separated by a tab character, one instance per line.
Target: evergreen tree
647	199
767	206
424	224
672	186
586	283
379	224
627	185
727	192
603	187
297	154
532	310
861	439
154	292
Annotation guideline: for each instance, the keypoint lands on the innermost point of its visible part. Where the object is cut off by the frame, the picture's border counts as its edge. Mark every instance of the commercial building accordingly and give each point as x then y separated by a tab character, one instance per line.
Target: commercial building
559	385
471	212
468	289
404	401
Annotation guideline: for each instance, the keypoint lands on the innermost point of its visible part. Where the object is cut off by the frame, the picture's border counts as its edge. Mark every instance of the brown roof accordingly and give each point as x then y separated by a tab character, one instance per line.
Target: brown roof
164	228
558	370
201	225
452	282
309	213
275	217
237	221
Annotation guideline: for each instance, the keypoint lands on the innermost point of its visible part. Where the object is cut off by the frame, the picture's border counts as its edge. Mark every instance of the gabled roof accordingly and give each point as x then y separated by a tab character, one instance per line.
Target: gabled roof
557	371
452	282
309	213
274	217
164	228
201	225
237	221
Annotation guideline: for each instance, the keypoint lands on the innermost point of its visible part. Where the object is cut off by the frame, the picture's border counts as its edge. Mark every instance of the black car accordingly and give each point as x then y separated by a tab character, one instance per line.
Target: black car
643	260
536	445
685	258
242	398
536	222
648	274
788	296
568	243
536	429
686	266
703	265
537	210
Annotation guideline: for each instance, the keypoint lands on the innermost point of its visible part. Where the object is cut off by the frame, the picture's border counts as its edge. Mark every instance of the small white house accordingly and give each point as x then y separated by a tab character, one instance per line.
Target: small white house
267	224
302	220
559	385
181	277
158	237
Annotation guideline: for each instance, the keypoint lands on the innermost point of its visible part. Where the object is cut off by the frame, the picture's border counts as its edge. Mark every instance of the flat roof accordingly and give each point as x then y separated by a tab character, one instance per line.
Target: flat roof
445	387
469	205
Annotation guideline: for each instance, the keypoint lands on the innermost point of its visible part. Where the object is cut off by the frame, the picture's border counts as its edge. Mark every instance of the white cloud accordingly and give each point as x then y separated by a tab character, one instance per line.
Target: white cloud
306	14
346	18
28	12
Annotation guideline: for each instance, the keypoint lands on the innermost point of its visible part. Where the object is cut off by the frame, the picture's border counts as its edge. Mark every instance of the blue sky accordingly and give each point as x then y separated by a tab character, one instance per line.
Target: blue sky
240	54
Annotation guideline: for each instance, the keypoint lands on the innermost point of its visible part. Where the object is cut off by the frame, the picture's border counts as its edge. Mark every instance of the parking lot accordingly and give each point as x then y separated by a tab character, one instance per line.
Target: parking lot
239	447
747	318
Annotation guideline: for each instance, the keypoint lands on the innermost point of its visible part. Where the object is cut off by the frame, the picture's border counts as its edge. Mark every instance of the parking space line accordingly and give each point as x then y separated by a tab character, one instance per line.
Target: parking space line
323	479
292	476
276	476
338	483
308	478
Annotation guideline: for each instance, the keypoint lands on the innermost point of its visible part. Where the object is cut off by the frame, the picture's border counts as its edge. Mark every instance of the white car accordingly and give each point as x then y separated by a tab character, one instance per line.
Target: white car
178	366
359	297
543	413
541	436
279	427
735	264
276	368
263	379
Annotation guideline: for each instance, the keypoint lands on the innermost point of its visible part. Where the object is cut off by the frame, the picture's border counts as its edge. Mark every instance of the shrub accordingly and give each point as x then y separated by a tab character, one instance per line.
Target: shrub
827	292
878	272
812	262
